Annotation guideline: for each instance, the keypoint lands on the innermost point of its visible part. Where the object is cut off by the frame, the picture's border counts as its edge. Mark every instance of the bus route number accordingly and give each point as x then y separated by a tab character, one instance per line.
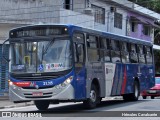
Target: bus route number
48	83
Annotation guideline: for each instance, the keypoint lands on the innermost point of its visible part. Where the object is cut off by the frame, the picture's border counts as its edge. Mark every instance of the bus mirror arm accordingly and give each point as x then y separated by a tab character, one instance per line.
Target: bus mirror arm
3	51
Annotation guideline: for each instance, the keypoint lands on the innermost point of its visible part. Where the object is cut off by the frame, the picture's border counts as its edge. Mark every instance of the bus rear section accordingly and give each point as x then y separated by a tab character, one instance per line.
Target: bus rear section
118	66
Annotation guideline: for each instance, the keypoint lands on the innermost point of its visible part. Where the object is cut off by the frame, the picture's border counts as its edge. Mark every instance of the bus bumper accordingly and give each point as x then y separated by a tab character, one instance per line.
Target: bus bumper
18	94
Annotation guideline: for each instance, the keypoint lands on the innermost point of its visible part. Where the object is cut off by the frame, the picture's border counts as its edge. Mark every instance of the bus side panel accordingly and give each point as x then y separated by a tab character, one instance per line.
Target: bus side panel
118	79
143	73
123	79
150	76
142	76
131	72
95	71
80	83
146	77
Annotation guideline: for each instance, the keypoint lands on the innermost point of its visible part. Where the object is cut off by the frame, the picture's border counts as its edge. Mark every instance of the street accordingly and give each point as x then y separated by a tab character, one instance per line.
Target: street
109	108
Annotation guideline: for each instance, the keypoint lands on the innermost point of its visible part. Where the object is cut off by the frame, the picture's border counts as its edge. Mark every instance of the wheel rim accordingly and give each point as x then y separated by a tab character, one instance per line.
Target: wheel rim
93	96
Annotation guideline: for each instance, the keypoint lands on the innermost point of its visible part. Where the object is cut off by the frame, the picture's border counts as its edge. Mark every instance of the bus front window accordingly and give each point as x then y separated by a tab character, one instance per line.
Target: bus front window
42	56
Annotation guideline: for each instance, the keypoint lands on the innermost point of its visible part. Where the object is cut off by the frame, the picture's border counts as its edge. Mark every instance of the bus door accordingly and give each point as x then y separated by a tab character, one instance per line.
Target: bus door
80	71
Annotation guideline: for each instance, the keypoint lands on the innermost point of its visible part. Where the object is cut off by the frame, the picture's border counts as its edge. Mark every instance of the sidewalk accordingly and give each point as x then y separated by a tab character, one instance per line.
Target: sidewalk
5	103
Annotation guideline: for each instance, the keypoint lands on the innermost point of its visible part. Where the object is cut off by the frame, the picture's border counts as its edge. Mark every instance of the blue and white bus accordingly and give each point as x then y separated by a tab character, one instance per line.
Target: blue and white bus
67	63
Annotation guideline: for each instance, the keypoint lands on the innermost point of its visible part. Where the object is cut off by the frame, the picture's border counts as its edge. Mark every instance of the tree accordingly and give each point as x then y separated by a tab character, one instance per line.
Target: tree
150	4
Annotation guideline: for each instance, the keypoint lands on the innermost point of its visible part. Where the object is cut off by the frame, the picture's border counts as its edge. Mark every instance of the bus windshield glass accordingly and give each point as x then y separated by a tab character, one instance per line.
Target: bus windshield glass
42	56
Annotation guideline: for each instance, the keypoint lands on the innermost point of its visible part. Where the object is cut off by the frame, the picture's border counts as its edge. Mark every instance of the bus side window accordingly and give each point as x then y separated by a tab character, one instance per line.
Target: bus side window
105	45
102	42
78	39
133	54
141	55
124	52
148	55
92	44
115	51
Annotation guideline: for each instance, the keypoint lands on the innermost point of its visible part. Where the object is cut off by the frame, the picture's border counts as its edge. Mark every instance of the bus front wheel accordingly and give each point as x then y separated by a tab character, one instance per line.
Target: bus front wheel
94	98
42	105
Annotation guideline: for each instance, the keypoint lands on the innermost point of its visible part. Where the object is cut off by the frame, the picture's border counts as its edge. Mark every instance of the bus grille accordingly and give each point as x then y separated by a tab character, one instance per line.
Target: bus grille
46	87
35	78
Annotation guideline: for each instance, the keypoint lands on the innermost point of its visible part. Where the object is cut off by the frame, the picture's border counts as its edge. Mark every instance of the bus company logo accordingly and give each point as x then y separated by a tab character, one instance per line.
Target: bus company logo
54	66
32	84
109	71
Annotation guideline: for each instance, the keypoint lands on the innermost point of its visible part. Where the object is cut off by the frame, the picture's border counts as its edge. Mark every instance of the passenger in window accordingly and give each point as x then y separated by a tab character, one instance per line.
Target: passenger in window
133	56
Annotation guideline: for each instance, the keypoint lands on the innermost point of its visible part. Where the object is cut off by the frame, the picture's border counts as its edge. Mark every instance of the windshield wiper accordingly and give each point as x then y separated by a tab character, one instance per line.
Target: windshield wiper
44	50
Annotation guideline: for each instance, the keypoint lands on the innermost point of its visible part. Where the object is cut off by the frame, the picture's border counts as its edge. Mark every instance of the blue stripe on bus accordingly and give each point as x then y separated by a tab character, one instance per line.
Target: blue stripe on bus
80	84
40	83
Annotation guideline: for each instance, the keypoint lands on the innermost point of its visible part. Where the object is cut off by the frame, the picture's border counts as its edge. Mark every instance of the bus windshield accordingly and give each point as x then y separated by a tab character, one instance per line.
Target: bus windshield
42	56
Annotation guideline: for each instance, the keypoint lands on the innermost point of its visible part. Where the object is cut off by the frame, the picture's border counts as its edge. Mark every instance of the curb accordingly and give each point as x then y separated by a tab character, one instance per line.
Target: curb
13	106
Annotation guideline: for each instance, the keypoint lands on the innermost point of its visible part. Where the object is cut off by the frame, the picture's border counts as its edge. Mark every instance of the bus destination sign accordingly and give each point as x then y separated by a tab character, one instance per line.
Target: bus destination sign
42	31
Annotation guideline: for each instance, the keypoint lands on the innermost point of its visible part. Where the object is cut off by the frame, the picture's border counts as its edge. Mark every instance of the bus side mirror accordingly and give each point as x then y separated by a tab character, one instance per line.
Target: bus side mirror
4	52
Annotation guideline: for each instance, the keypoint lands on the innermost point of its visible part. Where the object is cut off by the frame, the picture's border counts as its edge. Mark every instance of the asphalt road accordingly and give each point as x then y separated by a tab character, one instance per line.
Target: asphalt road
111	109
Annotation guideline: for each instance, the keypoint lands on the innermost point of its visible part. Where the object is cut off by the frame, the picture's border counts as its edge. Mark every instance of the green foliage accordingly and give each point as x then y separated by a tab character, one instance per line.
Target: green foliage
150	4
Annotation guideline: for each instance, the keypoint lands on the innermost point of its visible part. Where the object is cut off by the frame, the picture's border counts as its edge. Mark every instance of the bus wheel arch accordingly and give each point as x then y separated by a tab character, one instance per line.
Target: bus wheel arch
94	97
136	92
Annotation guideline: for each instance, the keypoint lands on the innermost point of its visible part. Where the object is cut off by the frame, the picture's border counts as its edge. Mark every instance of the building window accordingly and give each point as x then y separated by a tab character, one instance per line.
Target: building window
115	51
99	14
133	26
146	30
118	20
68	4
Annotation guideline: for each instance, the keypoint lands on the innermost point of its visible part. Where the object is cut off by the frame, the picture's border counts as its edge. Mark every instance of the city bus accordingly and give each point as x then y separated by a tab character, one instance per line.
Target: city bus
50	64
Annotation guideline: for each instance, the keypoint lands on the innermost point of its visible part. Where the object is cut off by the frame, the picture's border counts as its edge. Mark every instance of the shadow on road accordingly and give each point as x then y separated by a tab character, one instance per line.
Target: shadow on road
104	105
103	109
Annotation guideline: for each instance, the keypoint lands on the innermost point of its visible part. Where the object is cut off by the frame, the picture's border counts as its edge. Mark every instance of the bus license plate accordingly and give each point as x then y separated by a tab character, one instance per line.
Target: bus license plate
37	94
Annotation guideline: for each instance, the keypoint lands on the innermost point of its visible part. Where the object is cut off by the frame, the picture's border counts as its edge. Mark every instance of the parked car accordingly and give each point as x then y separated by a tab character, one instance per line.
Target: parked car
154	91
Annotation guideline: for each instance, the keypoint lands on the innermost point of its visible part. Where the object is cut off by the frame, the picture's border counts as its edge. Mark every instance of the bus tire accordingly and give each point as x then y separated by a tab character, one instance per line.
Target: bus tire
152	97
135	95
136	92
91	102
42	105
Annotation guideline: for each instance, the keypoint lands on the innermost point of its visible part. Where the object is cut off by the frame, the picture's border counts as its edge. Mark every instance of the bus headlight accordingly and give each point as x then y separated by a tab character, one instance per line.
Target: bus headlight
12	85
65	83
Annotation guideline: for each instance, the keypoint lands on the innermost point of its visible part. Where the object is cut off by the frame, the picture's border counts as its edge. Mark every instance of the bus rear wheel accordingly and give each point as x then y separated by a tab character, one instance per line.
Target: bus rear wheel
94	98
135	95
42	105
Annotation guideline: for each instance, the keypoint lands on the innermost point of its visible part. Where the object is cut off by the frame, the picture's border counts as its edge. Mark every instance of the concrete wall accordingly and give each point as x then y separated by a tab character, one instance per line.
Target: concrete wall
76	18
30	10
